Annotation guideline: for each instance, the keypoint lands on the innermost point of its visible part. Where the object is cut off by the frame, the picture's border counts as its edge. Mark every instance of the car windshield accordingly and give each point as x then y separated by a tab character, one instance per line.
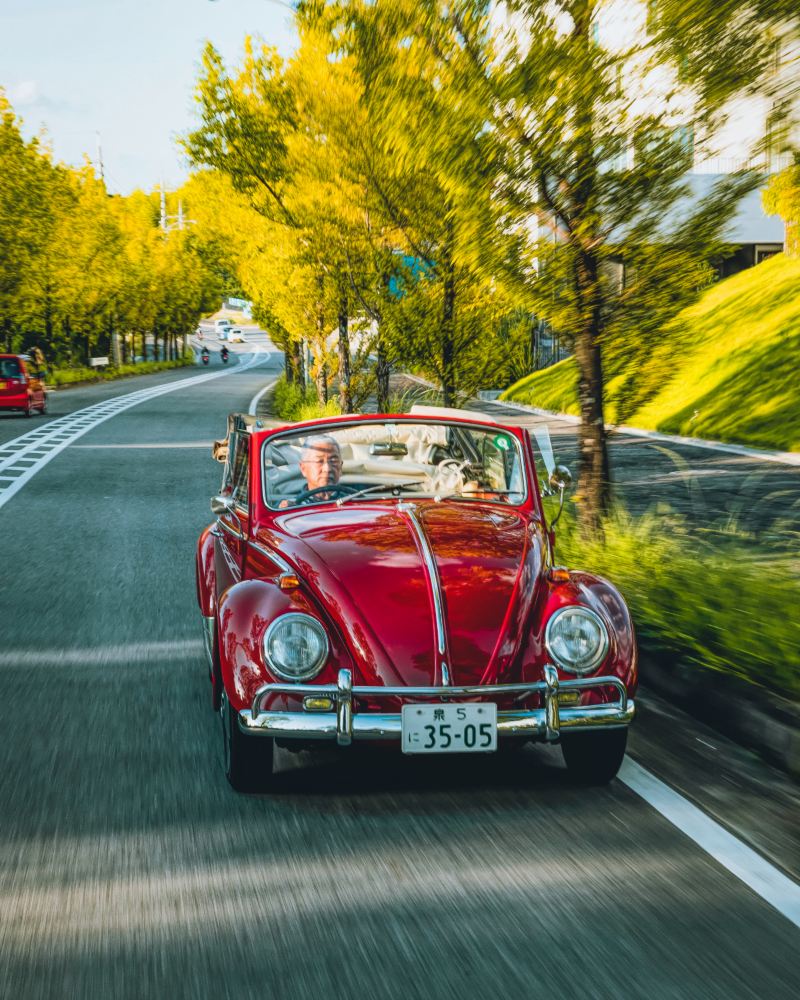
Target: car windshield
379	459
9	368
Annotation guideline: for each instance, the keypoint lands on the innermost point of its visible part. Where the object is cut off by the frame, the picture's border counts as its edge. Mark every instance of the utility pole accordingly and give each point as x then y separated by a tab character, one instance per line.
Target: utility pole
100	170
169	223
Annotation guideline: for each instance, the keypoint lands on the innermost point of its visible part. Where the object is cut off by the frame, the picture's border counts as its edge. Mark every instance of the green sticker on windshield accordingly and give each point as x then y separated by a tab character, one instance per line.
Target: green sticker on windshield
501	441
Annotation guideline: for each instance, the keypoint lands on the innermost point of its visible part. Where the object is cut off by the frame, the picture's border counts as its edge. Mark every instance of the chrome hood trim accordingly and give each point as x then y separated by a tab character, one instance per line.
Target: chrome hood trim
435	585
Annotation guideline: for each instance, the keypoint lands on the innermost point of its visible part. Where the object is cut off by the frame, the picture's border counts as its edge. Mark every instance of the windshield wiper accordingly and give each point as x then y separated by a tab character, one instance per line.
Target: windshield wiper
394	490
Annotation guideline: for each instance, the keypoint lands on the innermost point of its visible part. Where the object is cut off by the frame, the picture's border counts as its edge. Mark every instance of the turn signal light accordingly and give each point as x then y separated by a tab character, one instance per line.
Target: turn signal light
568	697
559	574
288	581
313	704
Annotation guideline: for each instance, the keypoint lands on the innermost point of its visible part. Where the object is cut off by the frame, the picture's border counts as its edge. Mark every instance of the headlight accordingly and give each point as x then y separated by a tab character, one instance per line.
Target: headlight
295	647
576	639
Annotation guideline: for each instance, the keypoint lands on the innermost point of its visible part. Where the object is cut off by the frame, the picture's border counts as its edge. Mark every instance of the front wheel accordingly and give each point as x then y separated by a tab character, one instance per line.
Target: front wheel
594	758
246	760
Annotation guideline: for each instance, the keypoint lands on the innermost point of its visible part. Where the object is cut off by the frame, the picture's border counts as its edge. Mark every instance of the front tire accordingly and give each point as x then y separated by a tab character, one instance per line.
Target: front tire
594	758
248	761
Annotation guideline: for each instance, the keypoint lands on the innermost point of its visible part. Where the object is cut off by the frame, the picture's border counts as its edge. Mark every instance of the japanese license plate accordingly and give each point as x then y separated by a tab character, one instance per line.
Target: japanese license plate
449	728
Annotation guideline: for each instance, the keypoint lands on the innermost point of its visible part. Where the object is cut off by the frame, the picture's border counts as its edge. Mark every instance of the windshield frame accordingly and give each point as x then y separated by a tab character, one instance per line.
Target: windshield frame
319	427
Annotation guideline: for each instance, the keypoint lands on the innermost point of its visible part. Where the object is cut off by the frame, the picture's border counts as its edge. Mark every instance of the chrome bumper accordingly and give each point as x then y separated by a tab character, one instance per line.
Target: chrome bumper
343	725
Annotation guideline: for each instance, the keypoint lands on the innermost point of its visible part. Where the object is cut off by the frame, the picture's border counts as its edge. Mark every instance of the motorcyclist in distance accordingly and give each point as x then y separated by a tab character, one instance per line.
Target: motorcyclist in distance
205	355
224	354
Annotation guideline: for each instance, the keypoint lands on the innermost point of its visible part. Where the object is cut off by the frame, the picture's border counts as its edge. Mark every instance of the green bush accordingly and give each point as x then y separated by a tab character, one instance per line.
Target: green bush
698	601
293	402
68	376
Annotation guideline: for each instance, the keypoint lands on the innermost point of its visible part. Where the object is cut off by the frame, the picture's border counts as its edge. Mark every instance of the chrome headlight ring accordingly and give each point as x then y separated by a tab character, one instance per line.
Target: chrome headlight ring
556	640
298	637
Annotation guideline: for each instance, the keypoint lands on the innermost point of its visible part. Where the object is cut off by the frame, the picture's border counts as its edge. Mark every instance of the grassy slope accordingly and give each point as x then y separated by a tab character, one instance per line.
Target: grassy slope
729	367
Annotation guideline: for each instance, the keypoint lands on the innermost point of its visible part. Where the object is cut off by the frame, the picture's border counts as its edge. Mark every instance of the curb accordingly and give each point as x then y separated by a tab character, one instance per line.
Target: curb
751	716
761	454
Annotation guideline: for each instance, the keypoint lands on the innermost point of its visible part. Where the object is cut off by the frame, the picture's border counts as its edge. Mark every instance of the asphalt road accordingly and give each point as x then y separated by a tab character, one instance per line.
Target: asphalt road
129	869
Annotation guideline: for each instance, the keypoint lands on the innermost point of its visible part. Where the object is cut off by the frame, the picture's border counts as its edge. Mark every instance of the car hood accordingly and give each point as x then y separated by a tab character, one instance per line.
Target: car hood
376	568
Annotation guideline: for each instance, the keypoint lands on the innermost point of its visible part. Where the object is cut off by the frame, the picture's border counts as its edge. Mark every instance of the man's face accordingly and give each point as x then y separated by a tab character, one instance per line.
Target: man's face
321	465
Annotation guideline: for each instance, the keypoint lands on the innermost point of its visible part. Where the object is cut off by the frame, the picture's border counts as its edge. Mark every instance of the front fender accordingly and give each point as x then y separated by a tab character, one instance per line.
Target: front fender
245	611
606	601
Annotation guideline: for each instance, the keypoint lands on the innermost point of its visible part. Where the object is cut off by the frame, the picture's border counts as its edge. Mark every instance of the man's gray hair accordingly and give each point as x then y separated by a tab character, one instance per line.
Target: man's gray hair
316	442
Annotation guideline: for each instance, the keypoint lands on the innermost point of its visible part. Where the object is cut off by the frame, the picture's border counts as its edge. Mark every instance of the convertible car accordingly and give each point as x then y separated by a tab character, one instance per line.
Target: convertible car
392	580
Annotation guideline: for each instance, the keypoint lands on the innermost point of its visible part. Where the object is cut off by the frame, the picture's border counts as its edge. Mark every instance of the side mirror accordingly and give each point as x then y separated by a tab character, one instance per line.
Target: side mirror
560	478
221	505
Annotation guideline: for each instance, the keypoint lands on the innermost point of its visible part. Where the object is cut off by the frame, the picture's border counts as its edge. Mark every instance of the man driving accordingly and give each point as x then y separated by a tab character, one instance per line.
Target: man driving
320	466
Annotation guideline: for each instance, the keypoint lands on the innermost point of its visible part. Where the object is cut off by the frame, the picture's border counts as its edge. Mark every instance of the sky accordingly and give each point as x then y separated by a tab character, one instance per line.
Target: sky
125	69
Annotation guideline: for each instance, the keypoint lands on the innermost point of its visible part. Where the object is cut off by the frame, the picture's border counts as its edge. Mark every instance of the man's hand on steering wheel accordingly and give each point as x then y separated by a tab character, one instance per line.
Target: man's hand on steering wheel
331	491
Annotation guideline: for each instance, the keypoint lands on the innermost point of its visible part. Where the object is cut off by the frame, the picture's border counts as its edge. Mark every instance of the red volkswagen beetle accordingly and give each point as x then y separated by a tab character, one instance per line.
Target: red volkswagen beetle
391	579
21	385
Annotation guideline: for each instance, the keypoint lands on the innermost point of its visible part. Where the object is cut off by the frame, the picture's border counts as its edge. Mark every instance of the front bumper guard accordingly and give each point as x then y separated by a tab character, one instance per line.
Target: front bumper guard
344	725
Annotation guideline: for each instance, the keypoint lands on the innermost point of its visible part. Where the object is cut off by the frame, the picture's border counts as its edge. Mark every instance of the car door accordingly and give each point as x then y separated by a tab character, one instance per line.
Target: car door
232	526
12	386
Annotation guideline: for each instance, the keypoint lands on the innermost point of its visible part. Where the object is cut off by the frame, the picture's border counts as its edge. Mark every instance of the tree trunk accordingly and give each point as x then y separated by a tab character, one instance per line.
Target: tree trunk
48	321
298	363
321	382
321	378
593	466
345	375
382	369
448	326
288	367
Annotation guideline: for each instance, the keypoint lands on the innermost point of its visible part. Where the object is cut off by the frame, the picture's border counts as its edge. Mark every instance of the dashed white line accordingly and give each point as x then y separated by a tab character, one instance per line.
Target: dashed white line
23	457
740	860
126	654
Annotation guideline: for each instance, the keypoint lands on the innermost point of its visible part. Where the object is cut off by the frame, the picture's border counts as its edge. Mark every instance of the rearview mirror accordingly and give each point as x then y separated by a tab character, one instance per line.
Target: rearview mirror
393	448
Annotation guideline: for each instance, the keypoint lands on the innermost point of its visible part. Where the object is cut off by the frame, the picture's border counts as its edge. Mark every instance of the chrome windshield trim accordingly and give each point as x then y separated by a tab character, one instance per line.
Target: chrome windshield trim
317	426
436	586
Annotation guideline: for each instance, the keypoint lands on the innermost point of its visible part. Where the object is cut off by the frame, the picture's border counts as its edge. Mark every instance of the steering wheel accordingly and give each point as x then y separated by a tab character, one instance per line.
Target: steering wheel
332	491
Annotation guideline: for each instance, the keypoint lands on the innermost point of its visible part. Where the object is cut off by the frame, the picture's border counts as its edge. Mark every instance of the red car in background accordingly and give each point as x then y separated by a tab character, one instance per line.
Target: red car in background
21	386
391	580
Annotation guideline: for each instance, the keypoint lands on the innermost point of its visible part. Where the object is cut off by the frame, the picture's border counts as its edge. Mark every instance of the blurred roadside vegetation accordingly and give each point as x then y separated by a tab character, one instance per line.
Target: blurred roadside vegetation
727	367
700	600
71	376
80	267
293	401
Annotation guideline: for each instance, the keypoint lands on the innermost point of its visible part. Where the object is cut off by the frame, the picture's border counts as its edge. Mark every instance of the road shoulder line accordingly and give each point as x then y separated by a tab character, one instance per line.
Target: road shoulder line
736	857
759	454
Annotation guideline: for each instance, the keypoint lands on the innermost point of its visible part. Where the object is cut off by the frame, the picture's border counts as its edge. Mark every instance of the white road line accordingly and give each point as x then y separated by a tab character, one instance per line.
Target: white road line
757	454
122	654
41	445
742	861
163	444
251	409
